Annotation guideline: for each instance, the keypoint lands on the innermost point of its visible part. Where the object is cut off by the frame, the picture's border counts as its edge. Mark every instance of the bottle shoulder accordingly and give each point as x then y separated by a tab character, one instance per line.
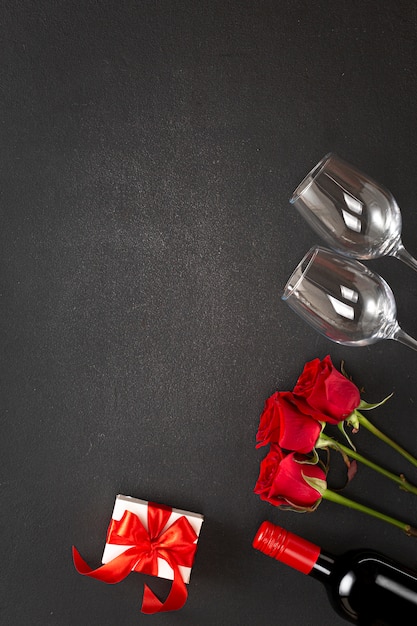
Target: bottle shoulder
366	555
367	586
364	563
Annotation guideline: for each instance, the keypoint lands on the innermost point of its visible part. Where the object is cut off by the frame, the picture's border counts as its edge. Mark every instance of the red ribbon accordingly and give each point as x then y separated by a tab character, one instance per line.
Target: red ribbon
176	545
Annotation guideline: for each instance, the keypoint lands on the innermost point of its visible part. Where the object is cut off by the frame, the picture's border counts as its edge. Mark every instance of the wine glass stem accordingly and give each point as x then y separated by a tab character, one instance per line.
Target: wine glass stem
402	254
406	339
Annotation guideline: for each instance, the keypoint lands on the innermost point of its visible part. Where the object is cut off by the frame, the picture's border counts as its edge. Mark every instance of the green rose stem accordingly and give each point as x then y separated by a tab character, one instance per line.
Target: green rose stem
363	421
400	480
339	499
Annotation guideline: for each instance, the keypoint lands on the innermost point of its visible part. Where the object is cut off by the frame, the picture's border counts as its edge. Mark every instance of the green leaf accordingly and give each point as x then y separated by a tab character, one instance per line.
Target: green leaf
367	406
318	484
341	426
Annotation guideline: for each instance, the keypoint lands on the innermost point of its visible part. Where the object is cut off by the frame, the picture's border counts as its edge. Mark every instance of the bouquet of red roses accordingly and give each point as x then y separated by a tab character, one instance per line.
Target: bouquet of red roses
292	475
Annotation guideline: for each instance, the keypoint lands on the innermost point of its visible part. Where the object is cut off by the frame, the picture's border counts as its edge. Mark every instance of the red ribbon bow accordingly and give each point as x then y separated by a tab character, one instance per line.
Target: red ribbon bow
176	545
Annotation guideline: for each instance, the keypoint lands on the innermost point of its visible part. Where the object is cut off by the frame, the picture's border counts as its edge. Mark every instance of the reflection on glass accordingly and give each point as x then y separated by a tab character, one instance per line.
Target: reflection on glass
349	294
342	308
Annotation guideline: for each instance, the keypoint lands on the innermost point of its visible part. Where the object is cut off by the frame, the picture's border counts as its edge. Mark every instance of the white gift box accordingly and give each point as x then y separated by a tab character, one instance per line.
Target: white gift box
140	508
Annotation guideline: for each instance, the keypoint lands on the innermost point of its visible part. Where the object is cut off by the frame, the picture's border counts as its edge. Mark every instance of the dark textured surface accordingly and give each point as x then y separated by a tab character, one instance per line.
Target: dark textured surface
147	154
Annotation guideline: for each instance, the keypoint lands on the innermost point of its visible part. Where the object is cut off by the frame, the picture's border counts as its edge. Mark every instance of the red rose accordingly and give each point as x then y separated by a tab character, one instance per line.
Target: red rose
281	480
330	396
282	422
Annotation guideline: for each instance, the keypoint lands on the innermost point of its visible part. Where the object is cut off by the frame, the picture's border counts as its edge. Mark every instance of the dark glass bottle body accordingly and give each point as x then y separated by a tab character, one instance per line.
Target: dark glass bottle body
367	588
363	586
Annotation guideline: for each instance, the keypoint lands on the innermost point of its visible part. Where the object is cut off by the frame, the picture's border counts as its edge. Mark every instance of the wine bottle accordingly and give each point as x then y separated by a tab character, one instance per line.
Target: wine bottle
363	586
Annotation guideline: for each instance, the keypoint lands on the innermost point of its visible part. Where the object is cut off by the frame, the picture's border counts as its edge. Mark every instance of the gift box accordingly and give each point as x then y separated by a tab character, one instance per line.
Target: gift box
140	509
150	538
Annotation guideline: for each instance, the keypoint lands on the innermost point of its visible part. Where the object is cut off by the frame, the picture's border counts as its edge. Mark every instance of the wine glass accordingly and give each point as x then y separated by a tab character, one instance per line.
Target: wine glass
344	300
354	215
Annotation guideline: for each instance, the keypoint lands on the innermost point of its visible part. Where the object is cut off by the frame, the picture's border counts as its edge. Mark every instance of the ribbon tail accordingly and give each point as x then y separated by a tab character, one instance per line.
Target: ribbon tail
112	572
176	599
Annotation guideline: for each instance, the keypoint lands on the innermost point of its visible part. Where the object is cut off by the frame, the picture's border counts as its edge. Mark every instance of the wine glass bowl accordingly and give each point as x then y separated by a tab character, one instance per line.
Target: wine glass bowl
355	215
344	300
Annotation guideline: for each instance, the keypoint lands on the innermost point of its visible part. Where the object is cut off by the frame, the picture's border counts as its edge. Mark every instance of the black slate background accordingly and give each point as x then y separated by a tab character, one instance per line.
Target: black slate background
148	150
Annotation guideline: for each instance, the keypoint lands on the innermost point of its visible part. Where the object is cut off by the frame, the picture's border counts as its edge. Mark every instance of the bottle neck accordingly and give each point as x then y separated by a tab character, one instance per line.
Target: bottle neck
323	567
